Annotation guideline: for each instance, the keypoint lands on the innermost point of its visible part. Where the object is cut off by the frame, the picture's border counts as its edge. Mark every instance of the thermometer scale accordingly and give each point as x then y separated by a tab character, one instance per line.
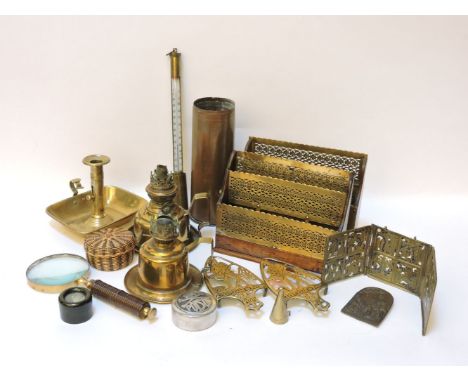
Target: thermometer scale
177	148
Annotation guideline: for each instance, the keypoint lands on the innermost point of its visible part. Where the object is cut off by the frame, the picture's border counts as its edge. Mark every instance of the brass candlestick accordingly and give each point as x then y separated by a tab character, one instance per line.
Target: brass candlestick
95	162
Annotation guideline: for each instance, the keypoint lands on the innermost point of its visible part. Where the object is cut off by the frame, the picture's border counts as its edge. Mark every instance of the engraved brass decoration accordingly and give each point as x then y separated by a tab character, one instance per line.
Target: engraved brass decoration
228	280
355	163
385	256
295	171
301	201
289	282
369	305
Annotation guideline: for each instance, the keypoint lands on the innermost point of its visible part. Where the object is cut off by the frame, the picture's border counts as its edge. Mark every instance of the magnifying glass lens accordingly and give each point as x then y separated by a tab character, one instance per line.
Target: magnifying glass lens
57	270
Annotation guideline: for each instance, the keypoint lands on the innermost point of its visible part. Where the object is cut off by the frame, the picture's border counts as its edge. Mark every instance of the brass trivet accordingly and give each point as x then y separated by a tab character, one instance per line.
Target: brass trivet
288	282
228	280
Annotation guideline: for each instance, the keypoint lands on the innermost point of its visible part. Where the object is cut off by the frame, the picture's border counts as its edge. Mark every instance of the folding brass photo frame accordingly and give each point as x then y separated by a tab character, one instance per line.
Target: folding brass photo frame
385	256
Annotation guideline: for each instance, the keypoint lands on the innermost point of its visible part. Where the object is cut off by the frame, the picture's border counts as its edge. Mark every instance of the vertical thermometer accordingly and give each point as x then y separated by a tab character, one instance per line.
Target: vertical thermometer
177	148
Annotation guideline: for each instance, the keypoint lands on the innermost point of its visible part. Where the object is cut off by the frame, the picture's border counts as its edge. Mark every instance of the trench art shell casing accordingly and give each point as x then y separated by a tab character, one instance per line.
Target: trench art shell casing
162	192
386	256
228	280
110	249
212	144
163	271
288	282
355	163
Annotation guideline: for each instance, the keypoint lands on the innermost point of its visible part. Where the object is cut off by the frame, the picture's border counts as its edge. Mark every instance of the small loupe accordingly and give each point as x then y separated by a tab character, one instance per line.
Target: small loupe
75	305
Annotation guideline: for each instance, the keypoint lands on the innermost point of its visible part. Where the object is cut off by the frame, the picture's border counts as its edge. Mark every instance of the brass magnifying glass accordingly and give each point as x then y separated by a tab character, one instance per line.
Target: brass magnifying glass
56	273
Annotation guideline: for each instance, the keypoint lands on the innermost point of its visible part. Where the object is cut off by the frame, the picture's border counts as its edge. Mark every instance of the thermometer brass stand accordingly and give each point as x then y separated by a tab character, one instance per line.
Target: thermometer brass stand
177	148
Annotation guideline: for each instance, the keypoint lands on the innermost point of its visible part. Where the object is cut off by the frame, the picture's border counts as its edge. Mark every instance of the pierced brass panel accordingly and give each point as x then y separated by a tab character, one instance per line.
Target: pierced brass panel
295	171
355	163
272	231
287	198
385	256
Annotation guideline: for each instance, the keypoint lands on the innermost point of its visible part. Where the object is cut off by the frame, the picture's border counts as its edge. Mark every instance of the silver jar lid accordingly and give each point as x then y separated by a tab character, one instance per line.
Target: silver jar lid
194	311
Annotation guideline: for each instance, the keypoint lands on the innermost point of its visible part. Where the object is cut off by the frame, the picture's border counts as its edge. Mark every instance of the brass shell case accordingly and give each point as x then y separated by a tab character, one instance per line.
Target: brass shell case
212	144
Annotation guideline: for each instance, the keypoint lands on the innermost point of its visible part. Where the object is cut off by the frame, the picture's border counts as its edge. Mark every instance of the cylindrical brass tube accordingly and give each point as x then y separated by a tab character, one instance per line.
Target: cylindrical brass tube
97	187
97	182
212	144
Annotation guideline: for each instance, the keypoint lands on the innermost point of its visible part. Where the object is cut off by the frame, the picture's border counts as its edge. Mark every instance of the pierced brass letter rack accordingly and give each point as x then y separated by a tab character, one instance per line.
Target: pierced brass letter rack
355	163
281	209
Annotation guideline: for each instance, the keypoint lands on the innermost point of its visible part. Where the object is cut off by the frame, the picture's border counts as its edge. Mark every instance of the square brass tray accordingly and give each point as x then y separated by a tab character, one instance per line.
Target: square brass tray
75	213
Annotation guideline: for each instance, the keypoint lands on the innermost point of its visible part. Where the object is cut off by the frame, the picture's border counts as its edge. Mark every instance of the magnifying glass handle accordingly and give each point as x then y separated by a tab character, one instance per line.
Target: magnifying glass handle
121	299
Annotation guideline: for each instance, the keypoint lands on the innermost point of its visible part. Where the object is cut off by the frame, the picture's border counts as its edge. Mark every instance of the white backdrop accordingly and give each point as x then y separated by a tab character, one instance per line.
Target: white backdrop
393	87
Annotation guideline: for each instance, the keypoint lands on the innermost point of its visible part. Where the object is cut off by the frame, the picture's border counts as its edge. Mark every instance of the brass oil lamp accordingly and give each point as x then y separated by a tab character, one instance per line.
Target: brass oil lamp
163	271
162	193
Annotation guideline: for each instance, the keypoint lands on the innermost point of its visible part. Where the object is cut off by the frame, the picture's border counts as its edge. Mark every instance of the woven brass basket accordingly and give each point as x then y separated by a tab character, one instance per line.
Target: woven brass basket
354	163
110	249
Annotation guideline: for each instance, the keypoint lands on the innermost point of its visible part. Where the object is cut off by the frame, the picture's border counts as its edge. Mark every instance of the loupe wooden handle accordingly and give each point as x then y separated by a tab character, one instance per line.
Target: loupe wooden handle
122	299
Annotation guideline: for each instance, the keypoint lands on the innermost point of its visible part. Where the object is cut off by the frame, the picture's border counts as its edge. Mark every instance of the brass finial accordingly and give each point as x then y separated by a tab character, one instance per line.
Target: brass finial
175	61
161	179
